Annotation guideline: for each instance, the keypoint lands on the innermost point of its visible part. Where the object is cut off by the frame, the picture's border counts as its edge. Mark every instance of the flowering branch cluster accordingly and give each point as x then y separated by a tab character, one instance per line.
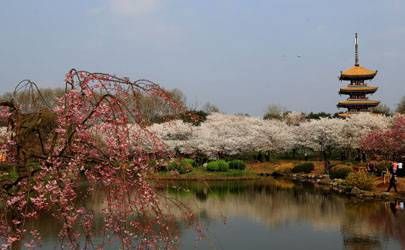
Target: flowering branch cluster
91	147
387	142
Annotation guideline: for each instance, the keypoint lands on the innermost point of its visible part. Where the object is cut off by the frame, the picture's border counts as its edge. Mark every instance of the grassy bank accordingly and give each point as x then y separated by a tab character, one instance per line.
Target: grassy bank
202	174
347	174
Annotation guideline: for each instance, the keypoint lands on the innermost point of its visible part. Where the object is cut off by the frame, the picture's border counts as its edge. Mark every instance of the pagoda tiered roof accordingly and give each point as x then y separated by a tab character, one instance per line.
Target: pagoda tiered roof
349	103
357	72
365	89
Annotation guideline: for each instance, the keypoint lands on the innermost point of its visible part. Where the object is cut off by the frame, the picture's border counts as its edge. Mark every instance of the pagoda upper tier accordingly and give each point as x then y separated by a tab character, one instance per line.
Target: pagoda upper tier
357	72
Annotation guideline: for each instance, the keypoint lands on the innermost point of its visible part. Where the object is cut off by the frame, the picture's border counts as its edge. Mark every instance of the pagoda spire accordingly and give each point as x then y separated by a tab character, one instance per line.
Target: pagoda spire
356	50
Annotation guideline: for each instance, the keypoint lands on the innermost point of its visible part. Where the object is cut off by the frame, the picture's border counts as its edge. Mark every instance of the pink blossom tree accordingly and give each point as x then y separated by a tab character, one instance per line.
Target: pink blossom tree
74	153
356	127
387	143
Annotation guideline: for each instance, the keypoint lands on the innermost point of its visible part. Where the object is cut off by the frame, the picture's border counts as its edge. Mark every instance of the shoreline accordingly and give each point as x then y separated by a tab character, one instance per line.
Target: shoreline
320	182
338	186
206	178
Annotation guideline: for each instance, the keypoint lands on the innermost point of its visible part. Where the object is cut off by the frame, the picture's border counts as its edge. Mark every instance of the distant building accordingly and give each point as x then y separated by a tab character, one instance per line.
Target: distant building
357	89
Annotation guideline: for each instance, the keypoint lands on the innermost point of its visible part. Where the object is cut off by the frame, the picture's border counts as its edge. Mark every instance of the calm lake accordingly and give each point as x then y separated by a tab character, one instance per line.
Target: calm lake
277	214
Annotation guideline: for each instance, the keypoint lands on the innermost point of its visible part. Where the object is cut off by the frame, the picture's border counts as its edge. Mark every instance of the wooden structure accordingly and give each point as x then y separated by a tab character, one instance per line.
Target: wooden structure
357	89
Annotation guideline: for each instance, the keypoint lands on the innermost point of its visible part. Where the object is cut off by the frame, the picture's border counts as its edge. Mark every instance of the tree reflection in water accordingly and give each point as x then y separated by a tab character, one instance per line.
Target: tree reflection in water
363	225
275	204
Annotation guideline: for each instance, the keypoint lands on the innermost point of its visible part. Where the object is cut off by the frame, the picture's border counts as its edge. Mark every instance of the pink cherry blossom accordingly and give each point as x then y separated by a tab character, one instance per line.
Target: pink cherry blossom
93	144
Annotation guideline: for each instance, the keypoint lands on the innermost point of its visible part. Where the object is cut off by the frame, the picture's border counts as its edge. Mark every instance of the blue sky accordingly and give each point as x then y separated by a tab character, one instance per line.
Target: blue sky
239	55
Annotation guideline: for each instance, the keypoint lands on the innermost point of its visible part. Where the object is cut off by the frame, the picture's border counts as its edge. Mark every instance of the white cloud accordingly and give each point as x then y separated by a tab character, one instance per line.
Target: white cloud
134	7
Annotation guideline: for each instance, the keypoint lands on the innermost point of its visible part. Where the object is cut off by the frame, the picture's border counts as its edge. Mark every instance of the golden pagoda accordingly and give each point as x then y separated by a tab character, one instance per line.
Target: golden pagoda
357	89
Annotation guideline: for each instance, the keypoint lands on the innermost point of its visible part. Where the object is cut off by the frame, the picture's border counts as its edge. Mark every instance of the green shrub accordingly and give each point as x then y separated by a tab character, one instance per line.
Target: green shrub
340	172
182	166
306	167
237	164
172	166
217	166
360	180
212	167
189	161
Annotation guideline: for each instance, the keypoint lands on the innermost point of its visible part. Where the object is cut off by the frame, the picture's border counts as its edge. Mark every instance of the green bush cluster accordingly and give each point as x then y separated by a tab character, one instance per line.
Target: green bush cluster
306	167
189	161
340	172
217	166
183	166
360	180
237	164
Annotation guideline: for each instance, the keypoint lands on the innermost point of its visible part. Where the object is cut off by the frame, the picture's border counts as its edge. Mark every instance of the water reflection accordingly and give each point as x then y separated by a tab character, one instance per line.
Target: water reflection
280	204
272	214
